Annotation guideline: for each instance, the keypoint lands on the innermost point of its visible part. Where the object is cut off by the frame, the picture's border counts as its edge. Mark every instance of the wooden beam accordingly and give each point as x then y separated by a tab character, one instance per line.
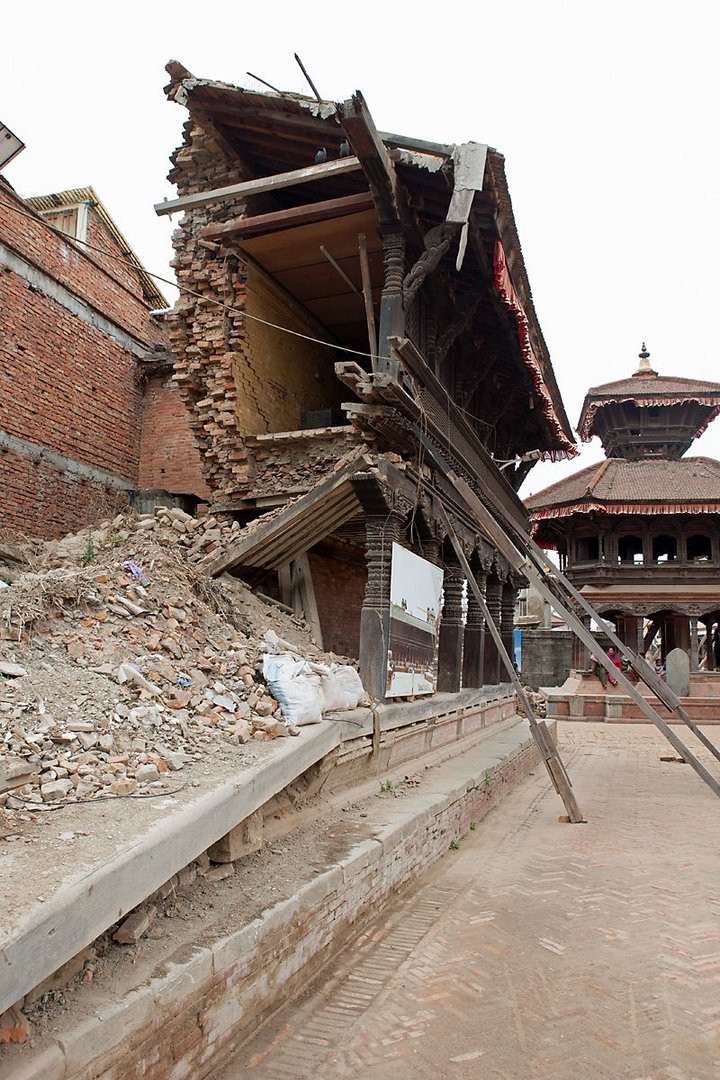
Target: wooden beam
307	214
373	156
263	184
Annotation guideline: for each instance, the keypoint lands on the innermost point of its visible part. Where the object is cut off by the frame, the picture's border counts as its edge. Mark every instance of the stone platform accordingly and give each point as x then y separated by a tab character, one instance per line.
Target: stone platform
583	697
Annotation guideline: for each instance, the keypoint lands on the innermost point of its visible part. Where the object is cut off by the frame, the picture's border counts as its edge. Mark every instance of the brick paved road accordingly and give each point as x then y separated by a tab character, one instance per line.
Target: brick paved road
538	949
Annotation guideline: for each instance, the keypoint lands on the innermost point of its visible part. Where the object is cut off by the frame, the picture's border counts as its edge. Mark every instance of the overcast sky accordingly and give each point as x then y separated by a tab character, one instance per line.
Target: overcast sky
607	114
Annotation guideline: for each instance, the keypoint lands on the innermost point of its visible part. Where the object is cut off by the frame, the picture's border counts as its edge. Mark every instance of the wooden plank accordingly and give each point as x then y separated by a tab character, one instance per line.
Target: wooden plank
305	507
301	246
262	184
339	270
261	224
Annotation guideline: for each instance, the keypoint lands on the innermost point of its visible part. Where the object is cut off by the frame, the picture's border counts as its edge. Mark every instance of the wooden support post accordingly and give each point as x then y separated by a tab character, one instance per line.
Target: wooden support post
473	647
493	596
450	643
543	574
381	530
367	296
554	765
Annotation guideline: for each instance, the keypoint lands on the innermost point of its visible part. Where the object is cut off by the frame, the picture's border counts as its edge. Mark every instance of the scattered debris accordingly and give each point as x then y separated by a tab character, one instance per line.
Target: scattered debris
123	673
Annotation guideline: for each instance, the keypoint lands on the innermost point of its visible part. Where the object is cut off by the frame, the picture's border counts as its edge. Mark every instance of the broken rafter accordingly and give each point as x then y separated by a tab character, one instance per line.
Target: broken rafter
257	187
373	156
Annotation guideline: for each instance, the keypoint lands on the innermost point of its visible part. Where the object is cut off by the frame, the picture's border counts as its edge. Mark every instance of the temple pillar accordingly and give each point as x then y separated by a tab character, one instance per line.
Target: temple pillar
381	531
507	624
491	660
709	645
474	636
694	645
676	634
392	315
450	646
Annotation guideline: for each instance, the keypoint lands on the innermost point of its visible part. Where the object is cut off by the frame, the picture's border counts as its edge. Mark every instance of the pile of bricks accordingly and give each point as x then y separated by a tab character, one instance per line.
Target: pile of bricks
122	663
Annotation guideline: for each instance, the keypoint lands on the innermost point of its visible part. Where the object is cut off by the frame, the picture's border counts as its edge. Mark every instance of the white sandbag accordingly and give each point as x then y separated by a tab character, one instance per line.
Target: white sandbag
295	687
351	684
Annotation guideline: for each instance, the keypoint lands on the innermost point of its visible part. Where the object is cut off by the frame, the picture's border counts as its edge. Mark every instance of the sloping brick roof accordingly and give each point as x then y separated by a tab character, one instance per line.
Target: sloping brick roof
617	486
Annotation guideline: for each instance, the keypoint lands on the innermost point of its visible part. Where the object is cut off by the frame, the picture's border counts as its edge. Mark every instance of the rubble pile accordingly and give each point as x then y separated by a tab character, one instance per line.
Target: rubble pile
121	661
538	702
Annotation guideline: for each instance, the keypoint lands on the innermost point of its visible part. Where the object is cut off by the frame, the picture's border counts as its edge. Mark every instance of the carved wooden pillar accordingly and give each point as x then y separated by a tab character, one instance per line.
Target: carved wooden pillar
493	599
694	646
392	318
709	645
507	625
451	631
474	636
580	656
381	531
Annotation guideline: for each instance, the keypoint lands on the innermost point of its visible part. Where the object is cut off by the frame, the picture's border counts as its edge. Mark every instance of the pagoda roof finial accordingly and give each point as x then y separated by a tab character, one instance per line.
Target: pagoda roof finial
644	366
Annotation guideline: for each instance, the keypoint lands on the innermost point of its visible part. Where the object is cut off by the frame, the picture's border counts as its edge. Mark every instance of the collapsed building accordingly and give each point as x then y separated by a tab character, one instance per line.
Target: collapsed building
349	298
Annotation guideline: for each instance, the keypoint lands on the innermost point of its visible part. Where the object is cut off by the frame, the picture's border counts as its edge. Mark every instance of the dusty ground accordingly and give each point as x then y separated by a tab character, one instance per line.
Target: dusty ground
538	949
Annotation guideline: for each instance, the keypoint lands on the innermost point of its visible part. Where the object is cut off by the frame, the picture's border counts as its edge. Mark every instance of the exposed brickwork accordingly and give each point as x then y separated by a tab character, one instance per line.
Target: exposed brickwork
339	591
40	500
169	458
69	388
65	261
237	377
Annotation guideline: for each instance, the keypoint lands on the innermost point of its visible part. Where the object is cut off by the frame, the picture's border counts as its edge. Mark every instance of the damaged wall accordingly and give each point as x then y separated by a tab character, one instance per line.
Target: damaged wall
71	335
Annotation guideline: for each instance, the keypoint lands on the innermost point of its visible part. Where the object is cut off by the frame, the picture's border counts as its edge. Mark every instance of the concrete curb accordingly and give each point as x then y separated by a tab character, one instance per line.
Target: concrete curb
49	937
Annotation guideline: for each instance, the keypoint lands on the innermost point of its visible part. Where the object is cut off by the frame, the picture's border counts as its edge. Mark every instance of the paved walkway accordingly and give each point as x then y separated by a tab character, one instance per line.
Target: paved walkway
539	949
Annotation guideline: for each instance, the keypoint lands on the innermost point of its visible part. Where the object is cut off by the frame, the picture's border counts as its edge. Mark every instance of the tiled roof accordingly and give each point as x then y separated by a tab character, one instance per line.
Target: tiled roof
652	385
647	388
648	486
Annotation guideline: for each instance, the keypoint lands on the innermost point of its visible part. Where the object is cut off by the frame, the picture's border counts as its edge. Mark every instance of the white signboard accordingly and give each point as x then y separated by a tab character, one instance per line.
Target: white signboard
415	599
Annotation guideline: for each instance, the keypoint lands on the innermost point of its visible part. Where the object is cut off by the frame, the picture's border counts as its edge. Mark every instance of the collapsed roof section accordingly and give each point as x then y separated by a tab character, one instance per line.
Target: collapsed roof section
362	235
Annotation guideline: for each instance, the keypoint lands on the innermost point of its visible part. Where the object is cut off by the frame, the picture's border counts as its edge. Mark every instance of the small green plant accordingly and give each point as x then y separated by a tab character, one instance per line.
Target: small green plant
454	845
473	826
387	785
486	781
89	553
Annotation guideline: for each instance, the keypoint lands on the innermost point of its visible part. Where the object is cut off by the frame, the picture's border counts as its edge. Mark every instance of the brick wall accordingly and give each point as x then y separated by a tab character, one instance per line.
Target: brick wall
41	500
71	406
237	377
339	592
65	261
169	457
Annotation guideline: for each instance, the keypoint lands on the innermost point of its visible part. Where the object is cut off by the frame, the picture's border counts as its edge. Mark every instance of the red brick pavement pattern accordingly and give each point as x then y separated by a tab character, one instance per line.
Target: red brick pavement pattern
539	949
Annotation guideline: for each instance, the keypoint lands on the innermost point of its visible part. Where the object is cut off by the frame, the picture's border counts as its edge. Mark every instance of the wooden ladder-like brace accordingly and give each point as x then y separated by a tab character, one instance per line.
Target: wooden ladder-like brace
530	561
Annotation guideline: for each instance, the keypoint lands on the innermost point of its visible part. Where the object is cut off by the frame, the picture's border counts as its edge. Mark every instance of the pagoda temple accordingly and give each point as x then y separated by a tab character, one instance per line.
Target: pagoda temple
639	533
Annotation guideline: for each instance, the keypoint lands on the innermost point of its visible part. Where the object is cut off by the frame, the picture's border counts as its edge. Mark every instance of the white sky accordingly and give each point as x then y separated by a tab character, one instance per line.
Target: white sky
607	114
416	581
